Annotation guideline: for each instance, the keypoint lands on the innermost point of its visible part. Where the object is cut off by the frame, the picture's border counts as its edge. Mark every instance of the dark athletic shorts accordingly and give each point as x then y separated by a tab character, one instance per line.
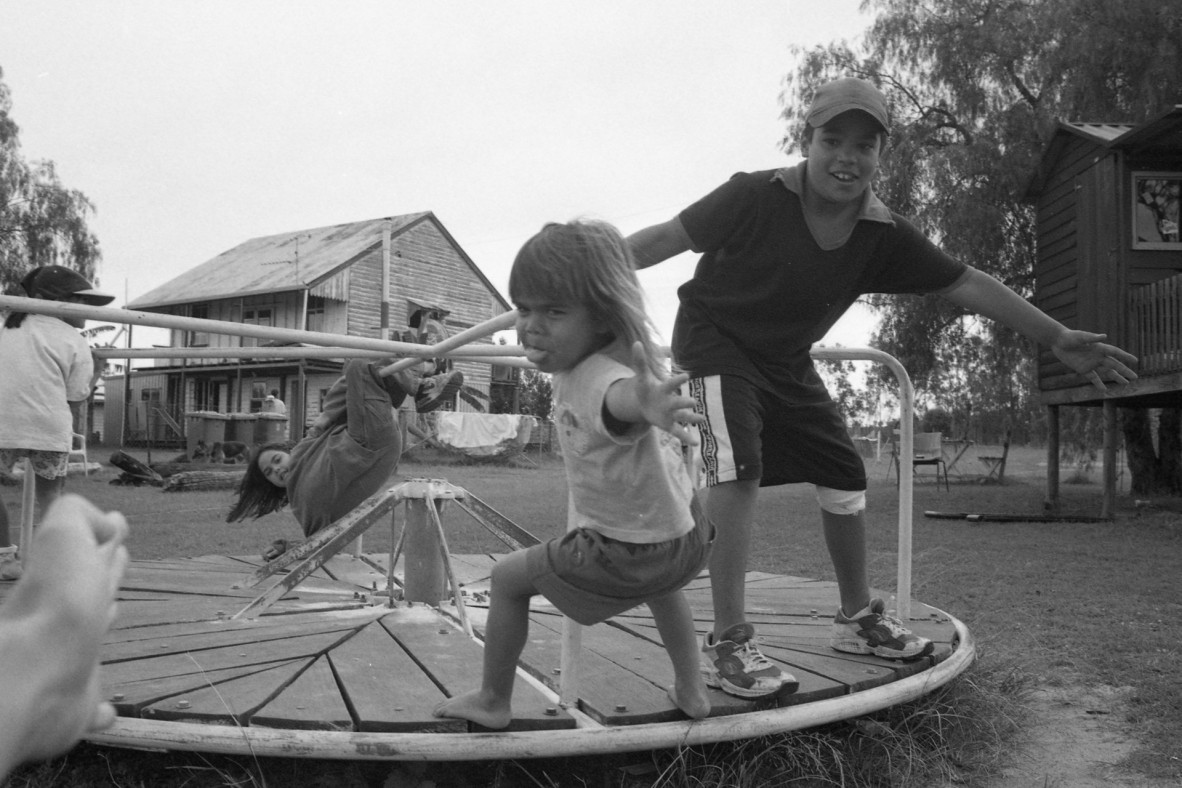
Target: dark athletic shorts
752	434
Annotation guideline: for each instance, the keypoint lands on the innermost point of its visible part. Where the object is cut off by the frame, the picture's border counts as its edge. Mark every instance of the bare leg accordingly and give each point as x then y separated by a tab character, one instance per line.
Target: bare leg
48	491
731	507
675	622
508	626
845	536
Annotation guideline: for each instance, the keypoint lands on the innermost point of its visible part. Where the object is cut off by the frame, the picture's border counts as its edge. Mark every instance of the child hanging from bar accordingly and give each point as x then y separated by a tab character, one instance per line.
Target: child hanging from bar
635	534
349	453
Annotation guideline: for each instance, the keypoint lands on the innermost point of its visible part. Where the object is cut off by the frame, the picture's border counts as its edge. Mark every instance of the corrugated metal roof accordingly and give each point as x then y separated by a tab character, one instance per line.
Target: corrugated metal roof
1101	132
1162	133
275	263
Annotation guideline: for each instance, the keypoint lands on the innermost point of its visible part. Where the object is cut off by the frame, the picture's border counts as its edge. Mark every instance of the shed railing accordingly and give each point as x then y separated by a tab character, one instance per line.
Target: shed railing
1156	315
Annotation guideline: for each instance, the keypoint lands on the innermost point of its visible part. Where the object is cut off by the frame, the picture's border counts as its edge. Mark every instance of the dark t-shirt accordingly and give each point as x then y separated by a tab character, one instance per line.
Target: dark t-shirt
764	291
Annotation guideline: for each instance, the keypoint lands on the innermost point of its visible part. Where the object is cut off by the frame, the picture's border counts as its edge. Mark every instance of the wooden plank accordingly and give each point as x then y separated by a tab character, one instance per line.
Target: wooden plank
184	638
229	703
609	692
453	660
182	581
227	567
172	610
357	572
386	688
473	570
130	697
311	702
241	654
240	563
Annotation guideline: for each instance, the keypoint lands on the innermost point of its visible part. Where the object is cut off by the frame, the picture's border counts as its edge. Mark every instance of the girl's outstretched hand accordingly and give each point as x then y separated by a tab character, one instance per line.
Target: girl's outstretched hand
1090	356
51	628
661	402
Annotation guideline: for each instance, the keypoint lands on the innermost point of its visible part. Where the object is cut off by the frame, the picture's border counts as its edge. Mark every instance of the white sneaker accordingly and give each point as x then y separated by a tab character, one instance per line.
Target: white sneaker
735	665
10	565
872	631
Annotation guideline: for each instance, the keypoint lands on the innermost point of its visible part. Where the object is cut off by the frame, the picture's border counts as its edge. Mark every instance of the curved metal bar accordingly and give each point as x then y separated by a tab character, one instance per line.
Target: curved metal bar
906	449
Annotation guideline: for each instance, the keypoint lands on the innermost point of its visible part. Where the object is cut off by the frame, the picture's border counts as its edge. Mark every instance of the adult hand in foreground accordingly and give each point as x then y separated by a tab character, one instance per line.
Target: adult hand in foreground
51	628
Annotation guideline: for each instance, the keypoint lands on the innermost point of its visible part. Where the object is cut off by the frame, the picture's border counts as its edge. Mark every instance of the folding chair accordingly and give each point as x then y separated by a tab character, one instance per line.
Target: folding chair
995	466
928	450
78	451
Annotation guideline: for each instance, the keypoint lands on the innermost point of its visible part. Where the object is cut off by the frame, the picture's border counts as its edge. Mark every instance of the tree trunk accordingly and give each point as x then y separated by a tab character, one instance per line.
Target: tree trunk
1154	472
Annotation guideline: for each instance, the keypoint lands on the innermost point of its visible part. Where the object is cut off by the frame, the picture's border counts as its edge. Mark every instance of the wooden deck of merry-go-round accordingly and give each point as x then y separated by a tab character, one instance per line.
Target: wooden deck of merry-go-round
311	656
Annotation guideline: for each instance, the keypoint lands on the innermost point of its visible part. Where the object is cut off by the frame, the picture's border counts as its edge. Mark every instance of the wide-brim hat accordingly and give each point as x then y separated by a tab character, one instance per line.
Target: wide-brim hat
844	95
58	283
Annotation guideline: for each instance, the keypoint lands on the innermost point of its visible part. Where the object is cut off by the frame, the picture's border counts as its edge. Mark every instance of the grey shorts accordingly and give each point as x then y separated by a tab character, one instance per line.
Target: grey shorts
591	578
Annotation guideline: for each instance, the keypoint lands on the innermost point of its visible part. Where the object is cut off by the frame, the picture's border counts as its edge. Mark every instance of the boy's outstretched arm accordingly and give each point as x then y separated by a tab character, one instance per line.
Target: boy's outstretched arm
51	627
659	242
646	398
1083	351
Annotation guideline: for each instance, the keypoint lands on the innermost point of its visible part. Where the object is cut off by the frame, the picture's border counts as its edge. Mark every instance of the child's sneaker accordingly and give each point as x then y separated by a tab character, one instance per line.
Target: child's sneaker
437	389
10	565
872	631
735	665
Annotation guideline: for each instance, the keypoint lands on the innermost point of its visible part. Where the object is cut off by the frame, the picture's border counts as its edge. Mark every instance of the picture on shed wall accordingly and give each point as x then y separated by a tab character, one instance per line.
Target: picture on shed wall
1156	197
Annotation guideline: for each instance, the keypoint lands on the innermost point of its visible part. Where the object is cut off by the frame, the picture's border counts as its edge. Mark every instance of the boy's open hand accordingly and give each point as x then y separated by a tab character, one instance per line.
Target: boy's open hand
661	402
1090	356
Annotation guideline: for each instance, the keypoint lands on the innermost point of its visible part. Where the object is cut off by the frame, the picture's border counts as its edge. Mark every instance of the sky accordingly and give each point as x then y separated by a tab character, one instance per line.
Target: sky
195	126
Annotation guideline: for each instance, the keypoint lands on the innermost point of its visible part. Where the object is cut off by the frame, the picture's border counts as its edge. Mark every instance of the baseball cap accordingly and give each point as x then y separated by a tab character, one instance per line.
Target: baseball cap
843	95
58	283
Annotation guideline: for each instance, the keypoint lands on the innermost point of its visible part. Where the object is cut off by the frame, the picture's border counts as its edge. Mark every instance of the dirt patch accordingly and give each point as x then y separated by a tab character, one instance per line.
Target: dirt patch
1078	739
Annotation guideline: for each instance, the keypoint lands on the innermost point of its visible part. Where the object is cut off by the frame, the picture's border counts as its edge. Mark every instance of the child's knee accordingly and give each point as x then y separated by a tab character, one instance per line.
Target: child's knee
841	501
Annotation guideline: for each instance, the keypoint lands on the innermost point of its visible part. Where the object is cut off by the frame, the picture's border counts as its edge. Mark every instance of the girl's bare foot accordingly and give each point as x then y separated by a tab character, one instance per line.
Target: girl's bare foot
692	700
475	707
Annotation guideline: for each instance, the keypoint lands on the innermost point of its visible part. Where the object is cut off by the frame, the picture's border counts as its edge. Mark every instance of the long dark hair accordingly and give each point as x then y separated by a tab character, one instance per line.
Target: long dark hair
256	495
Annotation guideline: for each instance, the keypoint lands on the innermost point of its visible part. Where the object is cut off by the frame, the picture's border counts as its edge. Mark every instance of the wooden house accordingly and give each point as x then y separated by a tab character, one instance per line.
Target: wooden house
1110	260
380	278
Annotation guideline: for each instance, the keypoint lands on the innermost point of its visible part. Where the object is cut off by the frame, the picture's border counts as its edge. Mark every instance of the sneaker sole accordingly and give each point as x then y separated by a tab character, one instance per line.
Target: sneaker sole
788	686
860	647
446	393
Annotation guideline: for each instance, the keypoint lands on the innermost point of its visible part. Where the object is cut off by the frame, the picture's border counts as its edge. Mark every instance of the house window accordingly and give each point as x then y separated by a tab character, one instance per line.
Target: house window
256	317
315	317
1156	198
198	338
205	395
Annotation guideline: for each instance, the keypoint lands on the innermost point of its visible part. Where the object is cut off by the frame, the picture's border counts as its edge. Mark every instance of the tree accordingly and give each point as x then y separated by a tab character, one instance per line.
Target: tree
976	89
537	394
41	221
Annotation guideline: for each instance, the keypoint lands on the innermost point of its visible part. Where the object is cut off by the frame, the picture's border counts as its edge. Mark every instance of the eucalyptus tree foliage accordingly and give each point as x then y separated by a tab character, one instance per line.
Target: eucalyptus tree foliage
41	221
976	88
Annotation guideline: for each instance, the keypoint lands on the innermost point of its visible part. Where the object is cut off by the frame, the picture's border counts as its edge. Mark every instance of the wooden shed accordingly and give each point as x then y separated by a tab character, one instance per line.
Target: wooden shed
1110	260
379	278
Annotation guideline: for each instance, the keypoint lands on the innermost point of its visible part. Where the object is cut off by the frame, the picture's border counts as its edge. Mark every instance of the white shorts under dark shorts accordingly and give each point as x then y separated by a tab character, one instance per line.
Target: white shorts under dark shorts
591	578
752	434
46	464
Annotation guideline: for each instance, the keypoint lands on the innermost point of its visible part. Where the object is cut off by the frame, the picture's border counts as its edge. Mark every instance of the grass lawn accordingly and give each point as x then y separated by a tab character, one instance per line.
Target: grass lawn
1060	605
